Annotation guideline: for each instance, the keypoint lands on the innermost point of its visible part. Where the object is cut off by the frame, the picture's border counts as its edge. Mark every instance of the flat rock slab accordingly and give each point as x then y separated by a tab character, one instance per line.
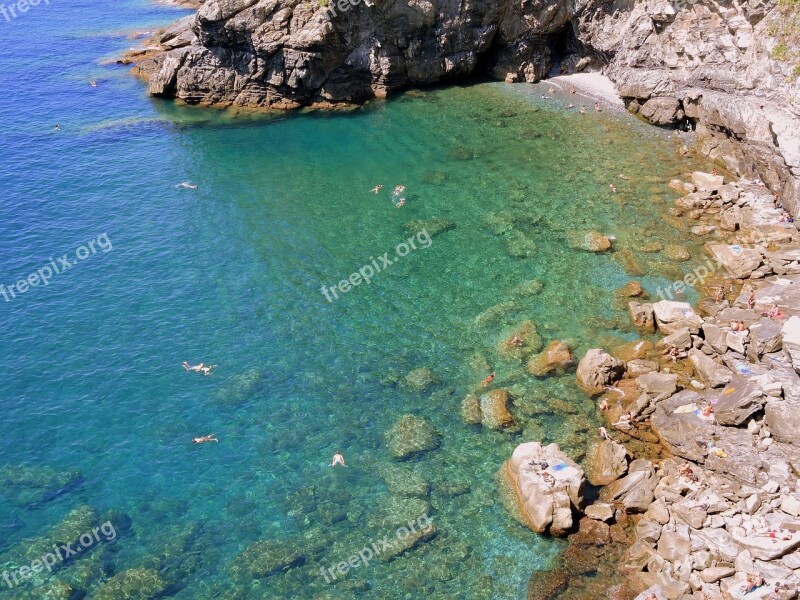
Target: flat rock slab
764	547
741	398
672	316
684	434
738	260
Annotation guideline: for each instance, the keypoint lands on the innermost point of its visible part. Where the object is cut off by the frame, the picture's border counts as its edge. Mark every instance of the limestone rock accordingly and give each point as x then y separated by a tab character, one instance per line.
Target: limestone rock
642	316
662	111
600	511
765	337
658	386
597	369
607	461
494	410
594	241
738	260
710	372
548	496
555	358
708	181
673	316
740	399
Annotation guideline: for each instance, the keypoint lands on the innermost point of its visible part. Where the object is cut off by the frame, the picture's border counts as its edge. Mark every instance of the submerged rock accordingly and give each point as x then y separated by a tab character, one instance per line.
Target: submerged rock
133	584
243	387
494	410
471	410
420	380
390	512
594	241
403	481
266	558
533	287
29	486
411	435
555	358
433	227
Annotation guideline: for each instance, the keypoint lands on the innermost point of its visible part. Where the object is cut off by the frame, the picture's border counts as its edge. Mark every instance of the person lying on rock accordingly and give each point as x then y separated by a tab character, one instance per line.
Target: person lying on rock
685	470
754	581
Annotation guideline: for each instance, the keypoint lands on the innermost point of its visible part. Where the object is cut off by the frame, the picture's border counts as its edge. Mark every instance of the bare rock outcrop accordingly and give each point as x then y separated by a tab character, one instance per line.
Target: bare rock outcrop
724	69
549	486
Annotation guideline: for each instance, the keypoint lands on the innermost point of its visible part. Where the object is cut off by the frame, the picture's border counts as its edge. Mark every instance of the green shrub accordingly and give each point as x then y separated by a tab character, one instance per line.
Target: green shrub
780	52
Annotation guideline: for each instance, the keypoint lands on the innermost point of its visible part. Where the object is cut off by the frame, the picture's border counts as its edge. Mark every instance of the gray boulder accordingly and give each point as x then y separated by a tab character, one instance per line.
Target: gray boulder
598	369
547	496
740	399
710	372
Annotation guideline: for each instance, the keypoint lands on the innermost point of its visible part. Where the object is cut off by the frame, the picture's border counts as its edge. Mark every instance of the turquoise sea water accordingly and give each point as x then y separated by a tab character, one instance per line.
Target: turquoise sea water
231	273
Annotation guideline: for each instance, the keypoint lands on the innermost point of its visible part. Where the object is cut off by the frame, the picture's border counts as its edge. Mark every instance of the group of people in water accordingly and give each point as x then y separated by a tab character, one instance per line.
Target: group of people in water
205	370
572	90
397	195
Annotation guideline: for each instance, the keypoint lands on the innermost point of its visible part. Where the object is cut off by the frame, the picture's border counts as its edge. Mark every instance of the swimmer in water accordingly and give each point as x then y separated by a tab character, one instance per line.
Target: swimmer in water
93	83
187	185
204	439
400	203
338	459
201	368
487	381
376	189
546	97
57	127
571	105
572	89
613	188
597	107
582	110
551	90
399	189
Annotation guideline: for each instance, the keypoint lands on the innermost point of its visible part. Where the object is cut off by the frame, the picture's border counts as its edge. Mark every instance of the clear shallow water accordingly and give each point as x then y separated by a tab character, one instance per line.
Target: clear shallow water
230	273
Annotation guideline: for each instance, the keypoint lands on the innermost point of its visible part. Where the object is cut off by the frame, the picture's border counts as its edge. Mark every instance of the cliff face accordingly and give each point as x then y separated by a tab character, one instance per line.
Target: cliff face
728	69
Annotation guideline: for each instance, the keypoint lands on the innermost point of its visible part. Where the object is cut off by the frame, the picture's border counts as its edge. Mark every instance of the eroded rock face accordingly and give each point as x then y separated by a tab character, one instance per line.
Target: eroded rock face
708	64
548	484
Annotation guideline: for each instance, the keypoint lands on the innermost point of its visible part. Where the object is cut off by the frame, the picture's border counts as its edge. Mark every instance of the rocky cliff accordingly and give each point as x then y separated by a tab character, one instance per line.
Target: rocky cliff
730	70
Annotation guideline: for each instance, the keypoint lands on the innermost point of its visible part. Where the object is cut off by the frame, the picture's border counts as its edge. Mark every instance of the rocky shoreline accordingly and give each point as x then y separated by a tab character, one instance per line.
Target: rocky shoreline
725	70
716	402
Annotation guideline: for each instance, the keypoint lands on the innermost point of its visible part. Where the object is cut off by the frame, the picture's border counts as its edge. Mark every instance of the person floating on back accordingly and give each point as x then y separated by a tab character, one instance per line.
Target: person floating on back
338	459
201	368
204	439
